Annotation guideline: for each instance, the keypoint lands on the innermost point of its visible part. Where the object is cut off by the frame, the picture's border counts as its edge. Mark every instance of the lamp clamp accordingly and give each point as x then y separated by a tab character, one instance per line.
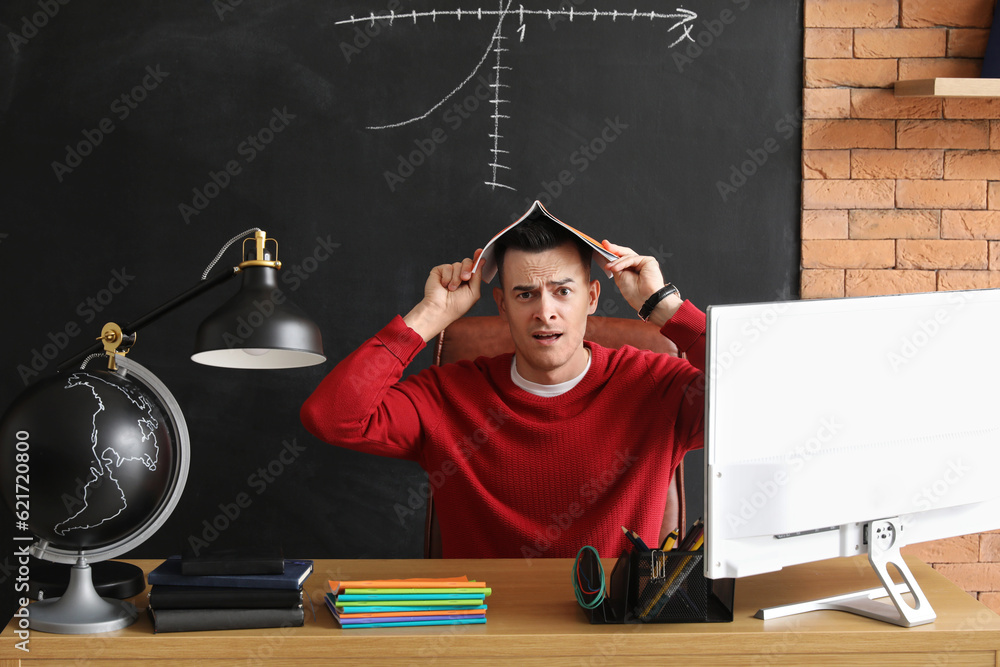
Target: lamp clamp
115	342
260	239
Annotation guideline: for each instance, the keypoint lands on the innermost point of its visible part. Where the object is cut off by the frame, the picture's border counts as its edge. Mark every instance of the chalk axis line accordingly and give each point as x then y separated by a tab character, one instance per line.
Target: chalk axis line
683	20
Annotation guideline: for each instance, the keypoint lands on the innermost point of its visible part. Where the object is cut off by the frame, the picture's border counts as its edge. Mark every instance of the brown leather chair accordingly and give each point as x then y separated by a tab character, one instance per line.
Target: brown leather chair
471	337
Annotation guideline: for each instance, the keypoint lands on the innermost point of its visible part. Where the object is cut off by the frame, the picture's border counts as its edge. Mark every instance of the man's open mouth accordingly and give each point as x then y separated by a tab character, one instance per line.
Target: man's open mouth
546	336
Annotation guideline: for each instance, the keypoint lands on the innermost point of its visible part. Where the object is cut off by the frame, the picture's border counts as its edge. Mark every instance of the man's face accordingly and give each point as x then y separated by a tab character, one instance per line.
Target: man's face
545	298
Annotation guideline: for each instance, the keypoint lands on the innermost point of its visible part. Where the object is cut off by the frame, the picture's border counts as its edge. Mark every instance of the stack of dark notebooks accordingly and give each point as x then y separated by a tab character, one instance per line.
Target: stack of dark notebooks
227	594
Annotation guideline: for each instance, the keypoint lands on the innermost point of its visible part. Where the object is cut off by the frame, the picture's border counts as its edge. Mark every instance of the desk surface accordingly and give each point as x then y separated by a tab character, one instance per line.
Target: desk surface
533	617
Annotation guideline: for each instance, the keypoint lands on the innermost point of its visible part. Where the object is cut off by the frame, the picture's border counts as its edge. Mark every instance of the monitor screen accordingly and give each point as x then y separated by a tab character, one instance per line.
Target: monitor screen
825	415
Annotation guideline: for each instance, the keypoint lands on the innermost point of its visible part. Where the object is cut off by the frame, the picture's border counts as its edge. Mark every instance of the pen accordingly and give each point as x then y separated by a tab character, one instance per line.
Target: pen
669	541
697	529
635	539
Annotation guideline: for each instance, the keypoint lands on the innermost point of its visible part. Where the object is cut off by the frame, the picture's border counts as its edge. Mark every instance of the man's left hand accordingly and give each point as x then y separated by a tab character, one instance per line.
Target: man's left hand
637	278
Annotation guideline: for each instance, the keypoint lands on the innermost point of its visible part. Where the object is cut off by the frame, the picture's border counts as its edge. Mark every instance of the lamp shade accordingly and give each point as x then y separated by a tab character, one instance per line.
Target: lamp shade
259	328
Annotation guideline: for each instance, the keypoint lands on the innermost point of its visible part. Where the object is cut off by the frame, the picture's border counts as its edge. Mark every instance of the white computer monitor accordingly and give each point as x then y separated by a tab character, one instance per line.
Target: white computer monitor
839	427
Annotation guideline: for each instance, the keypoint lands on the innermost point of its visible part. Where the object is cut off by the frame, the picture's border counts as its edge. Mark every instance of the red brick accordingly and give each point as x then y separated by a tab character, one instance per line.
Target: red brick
836	254
994	255
848	194
942	134
964	549
972	576
930	68
864	282
970	224
826	164
883	103
958	13
961	280
956	107
972	165
893	224
967	43
832	72
849	134
828	43
900	43
939	254
989	548
995	135
824	224
993	197
826	103
941	194
914	164
991	600
851	13
822	283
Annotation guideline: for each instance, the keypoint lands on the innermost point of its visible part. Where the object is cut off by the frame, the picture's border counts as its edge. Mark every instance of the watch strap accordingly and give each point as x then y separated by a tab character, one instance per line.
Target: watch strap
655	298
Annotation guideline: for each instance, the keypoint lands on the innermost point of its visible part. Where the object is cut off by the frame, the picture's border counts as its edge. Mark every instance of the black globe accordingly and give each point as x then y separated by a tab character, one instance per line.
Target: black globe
98	452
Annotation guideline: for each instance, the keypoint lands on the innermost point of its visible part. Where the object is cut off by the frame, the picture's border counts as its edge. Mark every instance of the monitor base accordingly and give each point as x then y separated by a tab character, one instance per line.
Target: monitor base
884	541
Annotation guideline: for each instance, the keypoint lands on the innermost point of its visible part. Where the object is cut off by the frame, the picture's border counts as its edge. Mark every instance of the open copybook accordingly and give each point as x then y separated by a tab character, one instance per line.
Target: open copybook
488	258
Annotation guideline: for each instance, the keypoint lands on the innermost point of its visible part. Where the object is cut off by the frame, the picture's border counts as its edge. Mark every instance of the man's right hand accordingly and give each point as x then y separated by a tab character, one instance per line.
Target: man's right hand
450	291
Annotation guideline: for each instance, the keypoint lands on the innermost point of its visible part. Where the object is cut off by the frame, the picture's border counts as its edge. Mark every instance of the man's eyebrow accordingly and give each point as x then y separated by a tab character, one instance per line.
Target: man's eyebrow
528	288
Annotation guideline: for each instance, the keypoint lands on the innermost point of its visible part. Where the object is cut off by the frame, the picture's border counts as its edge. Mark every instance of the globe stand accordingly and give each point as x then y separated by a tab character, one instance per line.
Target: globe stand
112	579
81	610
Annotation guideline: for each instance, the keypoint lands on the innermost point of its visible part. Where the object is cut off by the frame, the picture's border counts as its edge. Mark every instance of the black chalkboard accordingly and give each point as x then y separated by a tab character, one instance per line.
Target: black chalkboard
137	137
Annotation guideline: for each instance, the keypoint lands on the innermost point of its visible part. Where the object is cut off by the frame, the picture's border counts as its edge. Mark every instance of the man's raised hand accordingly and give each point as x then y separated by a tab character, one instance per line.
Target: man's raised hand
637	278
450	291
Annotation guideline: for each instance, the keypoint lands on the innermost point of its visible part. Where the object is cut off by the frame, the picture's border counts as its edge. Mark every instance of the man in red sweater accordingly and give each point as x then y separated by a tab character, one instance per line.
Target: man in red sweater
540	452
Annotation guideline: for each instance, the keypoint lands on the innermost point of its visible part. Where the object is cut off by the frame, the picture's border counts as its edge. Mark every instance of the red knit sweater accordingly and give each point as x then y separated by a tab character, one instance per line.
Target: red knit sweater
517	475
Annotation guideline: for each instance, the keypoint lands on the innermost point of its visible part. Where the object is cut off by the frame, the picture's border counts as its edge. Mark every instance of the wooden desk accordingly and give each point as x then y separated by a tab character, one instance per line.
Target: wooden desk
533	619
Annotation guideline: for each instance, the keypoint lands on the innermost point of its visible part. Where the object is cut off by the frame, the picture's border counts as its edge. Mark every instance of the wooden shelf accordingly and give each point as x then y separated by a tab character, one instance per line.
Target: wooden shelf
948	87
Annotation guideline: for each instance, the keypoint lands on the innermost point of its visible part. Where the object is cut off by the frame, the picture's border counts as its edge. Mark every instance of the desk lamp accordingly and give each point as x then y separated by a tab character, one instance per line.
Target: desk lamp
117	438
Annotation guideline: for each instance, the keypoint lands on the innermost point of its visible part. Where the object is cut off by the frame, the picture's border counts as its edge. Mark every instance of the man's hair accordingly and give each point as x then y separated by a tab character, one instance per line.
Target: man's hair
539	235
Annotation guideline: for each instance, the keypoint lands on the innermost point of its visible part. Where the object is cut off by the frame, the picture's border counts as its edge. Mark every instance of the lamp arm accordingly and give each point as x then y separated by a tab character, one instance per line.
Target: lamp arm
155	314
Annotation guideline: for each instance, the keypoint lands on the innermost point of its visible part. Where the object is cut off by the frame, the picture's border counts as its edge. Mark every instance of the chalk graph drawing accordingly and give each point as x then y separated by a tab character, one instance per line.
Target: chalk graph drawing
682	24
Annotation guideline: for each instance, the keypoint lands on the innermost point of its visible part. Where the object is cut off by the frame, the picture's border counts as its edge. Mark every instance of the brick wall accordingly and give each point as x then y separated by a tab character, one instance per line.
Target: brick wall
901	195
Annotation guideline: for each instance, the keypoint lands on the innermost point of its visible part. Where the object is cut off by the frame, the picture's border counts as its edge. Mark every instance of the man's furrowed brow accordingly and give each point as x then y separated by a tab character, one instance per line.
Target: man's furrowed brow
550	283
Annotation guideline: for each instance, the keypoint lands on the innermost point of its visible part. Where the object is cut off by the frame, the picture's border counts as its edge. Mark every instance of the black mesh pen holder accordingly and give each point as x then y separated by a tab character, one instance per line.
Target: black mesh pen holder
664	587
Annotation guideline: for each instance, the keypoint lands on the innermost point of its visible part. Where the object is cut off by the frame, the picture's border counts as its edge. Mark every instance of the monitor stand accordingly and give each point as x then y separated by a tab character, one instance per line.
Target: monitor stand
884	541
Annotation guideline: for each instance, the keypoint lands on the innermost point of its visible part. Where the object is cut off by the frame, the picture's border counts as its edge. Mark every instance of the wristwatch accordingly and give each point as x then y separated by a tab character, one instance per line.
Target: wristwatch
657	296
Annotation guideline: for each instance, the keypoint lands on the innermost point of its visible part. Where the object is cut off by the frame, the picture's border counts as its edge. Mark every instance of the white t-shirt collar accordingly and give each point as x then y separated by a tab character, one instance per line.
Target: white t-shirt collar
546	390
